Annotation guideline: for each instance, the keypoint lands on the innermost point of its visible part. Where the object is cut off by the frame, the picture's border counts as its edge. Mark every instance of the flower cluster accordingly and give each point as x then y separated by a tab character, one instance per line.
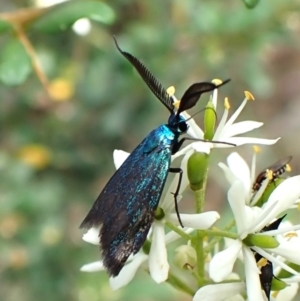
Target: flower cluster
255	243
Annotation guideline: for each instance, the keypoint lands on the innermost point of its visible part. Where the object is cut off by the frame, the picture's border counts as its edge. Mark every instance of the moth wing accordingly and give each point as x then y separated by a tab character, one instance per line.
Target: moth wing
125	208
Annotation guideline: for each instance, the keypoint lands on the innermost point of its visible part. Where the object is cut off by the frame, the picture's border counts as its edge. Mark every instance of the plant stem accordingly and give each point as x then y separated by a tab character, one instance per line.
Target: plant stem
179	284
217	237
177	230
198	241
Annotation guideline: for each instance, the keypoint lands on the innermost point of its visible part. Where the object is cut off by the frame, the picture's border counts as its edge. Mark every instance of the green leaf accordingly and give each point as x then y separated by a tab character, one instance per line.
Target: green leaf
62	16
4	26
15	64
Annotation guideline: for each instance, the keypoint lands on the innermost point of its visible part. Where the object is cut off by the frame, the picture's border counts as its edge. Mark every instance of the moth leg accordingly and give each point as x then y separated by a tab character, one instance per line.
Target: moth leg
180	172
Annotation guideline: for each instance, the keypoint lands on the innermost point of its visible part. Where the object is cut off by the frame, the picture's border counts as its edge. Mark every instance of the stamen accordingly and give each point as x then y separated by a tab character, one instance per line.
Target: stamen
256	149
176	103
274	294
171	90
249	96
262	262
291	235
226	103
217	81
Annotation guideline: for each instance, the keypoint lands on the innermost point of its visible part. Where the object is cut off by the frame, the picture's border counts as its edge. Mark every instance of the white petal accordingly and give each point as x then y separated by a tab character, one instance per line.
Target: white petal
240	169
288	250
92	236
281	199
222	263
128	272
182	151
234	116
275	260
119	157
248	140
202	147
215	98
172	236
262	219
196	221
221	125
254	291
288	293
241	128
229	175
235	298
286	194
219	292
282	231
237	198
194	130
158	262
93	267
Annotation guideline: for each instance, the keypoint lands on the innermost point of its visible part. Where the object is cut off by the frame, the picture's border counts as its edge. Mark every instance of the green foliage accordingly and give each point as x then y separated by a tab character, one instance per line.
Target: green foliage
15	65
4	26
251	3
62	16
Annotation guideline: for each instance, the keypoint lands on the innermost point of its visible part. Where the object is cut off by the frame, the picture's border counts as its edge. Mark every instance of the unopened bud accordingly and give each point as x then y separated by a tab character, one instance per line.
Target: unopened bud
262	241
159	214
196	169
209	121
185	256
269	189
278	285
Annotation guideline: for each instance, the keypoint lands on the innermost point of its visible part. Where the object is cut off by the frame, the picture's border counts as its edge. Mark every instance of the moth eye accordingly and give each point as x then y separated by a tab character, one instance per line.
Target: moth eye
182	126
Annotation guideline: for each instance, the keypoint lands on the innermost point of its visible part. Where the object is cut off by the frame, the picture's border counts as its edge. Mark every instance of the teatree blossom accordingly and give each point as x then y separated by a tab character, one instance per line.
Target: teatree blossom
238	169
226	131
251	220
157	258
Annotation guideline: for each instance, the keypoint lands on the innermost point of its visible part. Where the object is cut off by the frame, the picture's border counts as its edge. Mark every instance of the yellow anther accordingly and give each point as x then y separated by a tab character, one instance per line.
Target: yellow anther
248	95
226	103
217	81
269	174
171	90
176	103
262	262
291	235
256	149
298	206
274	294
288	168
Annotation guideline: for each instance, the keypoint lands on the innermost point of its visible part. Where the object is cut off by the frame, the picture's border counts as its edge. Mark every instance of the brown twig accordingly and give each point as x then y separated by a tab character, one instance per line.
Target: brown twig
19	19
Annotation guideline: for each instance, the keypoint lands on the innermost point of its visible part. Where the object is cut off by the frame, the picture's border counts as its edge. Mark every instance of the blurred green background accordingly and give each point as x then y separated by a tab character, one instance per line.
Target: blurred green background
57	138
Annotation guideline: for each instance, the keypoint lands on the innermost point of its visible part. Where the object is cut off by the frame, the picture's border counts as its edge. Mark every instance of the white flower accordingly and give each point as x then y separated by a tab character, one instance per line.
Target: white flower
238	169
251	220
226	131
220	292
157	258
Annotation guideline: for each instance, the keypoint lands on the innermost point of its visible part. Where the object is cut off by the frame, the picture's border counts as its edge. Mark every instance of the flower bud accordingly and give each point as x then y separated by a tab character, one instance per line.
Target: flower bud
185	256
159	214
269	189
209	121
262	241
196	169
278	285
146	246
